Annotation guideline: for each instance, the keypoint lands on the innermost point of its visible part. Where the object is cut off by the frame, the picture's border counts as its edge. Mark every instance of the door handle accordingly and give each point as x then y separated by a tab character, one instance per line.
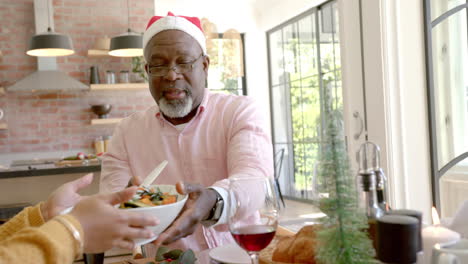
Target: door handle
361	123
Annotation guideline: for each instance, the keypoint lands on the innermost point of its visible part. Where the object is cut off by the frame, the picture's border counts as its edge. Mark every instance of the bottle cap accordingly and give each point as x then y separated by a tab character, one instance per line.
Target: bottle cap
367	180
415	214
397	239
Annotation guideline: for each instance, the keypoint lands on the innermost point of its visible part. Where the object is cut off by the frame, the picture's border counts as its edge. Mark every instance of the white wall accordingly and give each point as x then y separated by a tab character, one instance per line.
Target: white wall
271	13
224	13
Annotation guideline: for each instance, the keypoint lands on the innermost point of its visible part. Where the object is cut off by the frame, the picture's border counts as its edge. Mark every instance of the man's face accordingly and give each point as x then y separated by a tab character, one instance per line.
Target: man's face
177	94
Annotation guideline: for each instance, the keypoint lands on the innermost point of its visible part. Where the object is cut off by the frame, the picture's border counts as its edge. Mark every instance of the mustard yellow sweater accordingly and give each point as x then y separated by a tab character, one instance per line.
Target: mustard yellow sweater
27	239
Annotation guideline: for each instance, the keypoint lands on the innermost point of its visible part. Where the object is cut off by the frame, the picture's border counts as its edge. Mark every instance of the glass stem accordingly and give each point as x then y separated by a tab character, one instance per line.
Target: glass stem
253	257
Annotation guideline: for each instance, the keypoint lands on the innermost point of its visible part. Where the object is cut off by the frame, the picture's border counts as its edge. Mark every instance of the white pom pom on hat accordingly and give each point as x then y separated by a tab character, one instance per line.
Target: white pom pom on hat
189	25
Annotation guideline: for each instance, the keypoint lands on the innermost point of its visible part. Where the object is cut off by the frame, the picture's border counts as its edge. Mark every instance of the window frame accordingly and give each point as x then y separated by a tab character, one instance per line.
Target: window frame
429	25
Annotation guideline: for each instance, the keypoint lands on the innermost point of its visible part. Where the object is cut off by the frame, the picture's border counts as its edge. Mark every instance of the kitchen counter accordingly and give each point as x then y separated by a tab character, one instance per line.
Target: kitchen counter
51	169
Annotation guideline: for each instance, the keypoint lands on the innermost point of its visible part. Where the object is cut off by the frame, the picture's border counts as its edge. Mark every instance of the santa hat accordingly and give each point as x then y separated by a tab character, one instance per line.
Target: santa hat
189	25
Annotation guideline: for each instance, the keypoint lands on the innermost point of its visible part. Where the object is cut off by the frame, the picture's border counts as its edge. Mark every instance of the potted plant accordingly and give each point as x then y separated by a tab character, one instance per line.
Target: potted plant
138	70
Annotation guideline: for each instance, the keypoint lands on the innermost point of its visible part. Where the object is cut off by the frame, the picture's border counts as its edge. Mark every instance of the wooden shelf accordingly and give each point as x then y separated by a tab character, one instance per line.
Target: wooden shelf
3	126
98	53
118	86
105	121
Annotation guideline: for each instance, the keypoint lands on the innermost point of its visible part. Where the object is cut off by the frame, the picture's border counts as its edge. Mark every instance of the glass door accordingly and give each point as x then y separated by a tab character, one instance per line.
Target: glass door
304	60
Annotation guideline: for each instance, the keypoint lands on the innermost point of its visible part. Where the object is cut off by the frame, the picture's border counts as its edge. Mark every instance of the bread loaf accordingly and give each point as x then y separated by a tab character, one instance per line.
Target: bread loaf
299	248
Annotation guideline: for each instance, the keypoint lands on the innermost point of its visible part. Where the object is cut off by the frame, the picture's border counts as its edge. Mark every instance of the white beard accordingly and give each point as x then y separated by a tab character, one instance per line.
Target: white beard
176	108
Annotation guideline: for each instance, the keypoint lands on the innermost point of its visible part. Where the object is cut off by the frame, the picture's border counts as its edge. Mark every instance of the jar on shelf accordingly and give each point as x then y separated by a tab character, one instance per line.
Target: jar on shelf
110	77
124	77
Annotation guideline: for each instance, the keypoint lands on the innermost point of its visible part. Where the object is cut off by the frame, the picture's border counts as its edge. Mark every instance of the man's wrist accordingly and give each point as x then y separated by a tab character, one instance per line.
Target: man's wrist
214	214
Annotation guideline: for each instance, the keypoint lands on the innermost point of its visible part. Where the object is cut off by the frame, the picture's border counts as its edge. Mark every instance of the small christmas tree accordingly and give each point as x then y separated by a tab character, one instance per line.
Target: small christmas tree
343	239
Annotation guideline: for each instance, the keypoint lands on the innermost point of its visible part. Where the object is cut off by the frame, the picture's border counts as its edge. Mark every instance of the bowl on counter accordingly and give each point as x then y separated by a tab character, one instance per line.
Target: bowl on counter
165	213
101	110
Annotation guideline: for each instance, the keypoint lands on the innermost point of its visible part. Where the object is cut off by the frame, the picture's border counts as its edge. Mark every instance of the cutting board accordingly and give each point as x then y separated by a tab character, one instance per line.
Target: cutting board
76	162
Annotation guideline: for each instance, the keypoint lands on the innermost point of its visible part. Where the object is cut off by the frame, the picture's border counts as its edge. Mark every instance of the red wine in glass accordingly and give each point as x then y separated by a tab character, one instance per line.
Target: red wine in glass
252	213
254	237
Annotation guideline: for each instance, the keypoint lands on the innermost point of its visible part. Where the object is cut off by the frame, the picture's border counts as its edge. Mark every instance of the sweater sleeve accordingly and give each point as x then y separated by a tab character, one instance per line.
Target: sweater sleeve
29	217
50	243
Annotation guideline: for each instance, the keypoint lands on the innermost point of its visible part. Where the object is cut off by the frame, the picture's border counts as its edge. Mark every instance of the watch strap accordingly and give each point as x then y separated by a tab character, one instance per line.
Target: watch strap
216	211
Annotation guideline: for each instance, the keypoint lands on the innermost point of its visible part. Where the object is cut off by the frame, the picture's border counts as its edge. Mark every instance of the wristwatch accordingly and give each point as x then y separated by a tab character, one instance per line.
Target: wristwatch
215	213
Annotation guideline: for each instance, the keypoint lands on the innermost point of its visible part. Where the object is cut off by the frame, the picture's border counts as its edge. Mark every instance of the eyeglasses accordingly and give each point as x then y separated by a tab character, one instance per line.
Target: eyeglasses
179	68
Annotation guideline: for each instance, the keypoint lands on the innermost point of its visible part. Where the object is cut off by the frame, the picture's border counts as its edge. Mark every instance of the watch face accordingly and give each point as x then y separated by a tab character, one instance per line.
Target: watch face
218	209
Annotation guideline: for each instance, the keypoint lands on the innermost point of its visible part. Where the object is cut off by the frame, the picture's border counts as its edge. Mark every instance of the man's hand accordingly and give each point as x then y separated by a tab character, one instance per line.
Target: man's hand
105	226
198	205
65	196
135	181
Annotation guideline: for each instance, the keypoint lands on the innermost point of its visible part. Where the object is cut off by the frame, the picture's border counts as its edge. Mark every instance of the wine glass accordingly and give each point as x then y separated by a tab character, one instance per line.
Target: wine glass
252	213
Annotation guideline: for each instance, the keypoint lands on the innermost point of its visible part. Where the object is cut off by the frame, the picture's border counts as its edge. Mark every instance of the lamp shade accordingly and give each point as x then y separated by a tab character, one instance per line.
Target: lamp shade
129	44
50	44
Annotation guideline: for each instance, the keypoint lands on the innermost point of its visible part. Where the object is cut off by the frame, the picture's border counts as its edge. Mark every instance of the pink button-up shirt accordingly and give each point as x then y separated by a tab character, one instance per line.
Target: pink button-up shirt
227	137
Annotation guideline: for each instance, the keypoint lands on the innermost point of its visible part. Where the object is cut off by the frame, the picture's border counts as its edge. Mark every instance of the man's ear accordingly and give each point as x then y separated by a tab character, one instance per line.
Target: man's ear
206	63
146	67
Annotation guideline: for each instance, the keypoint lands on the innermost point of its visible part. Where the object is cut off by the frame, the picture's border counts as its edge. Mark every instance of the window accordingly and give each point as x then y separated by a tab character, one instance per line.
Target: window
227	71
304	60
447	65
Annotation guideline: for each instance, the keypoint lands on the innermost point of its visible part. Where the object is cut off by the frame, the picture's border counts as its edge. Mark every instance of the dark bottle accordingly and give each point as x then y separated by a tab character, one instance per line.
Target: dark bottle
381	189
368	202
94	75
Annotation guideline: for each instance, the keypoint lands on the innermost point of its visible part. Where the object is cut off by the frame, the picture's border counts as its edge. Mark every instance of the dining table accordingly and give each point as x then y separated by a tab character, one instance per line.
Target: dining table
203	257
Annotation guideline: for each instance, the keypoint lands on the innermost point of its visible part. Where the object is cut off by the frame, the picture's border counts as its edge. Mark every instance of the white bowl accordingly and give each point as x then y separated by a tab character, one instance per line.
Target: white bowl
165	213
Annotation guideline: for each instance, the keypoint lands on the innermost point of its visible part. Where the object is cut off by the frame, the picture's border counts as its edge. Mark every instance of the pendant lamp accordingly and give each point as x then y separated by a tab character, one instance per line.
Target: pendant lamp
129	44
50	43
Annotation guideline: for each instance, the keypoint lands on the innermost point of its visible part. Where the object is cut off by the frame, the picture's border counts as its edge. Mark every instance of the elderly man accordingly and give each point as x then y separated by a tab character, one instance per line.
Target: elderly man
206	137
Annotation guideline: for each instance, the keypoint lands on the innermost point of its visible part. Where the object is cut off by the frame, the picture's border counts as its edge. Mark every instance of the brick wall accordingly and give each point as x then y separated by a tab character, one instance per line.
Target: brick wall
60	121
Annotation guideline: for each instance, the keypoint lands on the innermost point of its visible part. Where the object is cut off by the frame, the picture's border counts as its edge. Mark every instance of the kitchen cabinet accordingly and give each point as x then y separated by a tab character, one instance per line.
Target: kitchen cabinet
33	189
31	181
